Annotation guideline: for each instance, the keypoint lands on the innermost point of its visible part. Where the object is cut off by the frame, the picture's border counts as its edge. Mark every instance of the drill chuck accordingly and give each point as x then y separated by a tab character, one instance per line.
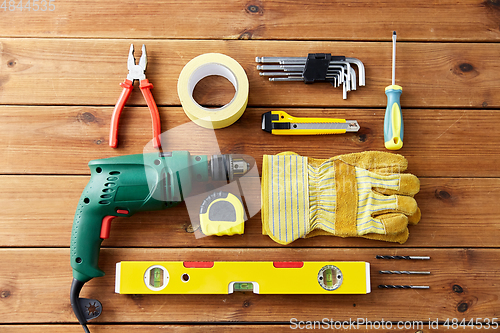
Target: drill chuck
225	167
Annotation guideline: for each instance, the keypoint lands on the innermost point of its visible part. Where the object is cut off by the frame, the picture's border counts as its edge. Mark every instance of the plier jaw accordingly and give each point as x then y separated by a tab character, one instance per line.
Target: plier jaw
136	72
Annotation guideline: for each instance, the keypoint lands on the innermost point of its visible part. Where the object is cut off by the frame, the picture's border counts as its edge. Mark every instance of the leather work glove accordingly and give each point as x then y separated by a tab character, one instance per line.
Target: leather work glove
353	195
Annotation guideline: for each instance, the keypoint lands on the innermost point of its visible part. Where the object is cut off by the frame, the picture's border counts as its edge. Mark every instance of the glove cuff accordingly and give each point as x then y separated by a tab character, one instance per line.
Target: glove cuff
347	199
285	199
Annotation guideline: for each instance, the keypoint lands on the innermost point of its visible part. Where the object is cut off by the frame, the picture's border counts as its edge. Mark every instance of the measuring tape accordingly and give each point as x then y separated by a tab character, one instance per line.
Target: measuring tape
222	213
226	277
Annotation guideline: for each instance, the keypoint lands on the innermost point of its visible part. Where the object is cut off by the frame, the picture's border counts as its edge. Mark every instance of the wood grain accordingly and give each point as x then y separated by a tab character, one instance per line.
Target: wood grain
59	80
87	72
205	328
462	284
62	140
259	19
38	211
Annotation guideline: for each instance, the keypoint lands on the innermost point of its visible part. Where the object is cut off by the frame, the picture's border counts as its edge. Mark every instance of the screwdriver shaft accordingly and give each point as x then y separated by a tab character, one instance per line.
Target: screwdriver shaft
393	57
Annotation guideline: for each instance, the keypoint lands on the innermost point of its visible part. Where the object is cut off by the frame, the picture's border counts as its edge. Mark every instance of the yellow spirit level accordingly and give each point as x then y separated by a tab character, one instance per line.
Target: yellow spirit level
225	277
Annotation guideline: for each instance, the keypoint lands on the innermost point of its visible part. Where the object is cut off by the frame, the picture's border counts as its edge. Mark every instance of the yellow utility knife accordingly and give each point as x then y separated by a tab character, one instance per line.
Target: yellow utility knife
281	123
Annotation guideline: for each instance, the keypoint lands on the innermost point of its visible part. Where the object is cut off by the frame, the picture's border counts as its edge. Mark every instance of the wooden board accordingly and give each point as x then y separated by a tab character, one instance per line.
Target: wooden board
62	140
88	72
304	20
221	328
462	285
456	212
60	71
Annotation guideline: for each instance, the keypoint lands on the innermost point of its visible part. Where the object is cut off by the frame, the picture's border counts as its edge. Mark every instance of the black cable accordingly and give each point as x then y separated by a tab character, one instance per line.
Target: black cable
76	287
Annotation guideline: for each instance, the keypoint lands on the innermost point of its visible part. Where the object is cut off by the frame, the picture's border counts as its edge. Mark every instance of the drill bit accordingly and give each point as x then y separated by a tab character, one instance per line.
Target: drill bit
398	286
403	257
404	272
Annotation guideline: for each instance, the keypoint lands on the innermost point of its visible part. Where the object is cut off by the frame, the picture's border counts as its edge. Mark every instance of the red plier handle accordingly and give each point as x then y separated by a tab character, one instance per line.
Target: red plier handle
146	87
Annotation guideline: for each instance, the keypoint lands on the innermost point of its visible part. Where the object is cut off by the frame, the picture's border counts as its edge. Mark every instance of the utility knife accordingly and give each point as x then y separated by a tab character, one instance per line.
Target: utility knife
281	123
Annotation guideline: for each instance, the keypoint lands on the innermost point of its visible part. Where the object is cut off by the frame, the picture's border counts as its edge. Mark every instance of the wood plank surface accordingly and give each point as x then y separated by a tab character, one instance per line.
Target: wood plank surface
62	140
455	213
60	71
216	328
474	20
463	284
457	277
87	72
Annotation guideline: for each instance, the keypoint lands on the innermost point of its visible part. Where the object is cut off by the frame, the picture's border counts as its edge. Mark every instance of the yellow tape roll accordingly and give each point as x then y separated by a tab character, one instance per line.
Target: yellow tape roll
213	64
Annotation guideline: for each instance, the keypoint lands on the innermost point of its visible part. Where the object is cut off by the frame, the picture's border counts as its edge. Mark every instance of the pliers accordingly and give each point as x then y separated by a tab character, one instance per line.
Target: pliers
136	72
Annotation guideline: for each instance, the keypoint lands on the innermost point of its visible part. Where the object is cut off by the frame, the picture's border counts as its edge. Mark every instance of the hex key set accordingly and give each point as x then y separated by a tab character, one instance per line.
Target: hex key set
316	67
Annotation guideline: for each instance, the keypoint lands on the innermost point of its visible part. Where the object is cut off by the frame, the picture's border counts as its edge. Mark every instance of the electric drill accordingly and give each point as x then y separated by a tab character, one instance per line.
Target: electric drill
124	185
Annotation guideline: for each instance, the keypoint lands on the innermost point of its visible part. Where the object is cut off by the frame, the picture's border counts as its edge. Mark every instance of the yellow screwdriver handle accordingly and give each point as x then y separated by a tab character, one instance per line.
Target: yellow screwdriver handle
393	122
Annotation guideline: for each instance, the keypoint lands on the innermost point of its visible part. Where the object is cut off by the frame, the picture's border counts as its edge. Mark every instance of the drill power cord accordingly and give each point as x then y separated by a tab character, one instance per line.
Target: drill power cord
76	287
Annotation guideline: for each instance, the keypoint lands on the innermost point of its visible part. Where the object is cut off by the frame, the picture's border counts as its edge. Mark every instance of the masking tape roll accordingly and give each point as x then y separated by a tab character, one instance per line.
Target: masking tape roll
206	65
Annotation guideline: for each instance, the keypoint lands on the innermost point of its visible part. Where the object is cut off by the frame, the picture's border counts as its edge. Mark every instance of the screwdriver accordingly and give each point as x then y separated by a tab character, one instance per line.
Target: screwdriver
393	122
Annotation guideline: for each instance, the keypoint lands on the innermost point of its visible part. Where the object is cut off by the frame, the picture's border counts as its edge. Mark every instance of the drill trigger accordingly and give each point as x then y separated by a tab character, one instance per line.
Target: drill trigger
106	226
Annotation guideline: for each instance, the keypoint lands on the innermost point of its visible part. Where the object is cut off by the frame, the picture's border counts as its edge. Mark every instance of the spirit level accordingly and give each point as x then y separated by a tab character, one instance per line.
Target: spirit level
225	277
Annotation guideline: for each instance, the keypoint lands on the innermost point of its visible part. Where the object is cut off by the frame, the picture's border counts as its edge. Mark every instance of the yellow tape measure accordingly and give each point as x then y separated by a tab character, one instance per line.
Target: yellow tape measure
222	213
